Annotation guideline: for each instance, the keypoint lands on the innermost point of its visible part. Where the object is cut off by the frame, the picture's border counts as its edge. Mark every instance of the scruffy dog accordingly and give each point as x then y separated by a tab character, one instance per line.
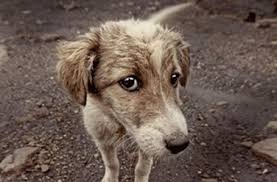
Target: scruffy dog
127	76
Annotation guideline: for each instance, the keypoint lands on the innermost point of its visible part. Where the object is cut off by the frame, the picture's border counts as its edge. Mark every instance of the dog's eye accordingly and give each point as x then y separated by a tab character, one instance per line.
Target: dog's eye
174	79
129	83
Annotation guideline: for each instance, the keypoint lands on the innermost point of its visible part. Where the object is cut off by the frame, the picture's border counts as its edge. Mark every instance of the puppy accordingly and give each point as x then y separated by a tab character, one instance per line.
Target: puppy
126	76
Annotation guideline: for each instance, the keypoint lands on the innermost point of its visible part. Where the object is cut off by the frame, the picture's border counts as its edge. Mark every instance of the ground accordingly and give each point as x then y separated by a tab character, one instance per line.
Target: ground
230	97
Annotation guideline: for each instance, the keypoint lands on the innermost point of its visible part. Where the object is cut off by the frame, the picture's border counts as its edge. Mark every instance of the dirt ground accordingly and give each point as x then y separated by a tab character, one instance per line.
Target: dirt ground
231	96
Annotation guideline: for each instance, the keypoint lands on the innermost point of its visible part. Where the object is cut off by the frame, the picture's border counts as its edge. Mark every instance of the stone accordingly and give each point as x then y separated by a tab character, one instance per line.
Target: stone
267	149
221	103
247	144
209	180
17	160
44	168
273	43
41	112
96	155
272	125
25	118
203	144
26	12
3	54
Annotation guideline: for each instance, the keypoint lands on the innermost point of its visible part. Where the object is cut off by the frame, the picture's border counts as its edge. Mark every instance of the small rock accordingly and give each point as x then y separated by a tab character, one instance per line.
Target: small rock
42	157
25	118
203	144
130	3
267	149
50	37
41	113
6	22
221	103
247	144
265	171
24	177
255	166
39	22
26	12
44	168
96	155
3	54
273	43
121	4
18	159
272	125
209	180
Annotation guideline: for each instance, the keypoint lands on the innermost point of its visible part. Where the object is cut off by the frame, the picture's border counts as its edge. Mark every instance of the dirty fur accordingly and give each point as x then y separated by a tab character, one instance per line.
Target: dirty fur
91	69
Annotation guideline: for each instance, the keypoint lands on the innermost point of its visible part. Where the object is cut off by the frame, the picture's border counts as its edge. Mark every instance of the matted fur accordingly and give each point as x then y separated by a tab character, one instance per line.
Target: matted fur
91	67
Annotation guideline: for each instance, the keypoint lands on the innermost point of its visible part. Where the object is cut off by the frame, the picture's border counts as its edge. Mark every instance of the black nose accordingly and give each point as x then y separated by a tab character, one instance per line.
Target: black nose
175	146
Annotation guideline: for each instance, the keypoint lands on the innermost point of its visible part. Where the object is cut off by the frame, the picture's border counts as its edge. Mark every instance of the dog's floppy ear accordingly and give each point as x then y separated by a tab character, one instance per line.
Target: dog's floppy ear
184	61
75	58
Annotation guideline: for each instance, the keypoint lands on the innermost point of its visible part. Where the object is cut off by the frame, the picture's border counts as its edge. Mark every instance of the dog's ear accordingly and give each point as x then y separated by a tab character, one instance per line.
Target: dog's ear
184	61
75	58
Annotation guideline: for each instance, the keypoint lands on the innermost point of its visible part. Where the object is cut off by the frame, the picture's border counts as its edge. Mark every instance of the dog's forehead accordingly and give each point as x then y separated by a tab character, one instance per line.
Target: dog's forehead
137	44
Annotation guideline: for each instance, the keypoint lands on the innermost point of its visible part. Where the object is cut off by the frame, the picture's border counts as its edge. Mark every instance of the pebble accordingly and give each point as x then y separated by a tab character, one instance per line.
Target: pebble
222	103
44	168
267	149
273	43
255	166
247	144
96	155
3	54
272	125
26	12
24	119
17	160
203	144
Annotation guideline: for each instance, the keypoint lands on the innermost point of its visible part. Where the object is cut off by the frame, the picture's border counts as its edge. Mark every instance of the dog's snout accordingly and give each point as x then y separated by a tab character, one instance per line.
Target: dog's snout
176	145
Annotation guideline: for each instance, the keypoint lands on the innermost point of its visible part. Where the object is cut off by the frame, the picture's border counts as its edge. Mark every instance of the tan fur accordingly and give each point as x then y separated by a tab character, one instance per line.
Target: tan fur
151	115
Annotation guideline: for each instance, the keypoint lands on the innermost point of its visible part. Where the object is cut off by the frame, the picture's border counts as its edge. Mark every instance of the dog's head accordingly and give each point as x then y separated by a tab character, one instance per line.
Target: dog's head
134	70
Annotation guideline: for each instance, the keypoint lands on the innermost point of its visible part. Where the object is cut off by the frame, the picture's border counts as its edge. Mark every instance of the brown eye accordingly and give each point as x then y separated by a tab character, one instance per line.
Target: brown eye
129	83
174	79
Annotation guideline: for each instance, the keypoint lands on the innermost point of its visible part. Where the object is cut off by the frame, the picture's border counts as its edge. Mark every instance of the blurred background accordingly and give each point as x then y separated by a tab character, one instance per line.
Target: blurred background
230	102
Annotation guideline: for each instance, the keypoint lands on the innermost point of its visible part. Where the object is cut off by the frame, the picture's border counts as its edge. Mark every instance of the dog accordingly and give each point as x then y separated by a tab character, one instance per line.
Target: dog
126	75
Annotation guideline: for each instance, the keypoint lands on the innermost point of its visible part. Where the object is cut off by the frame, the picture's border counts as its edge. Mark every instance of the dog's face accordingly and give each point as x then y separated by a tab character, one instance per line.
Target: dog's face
134	70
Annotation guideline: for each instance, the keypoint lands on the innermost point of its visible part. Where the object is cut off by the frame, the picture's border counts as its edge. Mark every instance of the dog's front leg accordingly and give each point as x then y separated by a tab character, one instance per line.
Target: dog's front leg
109	156
143	168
